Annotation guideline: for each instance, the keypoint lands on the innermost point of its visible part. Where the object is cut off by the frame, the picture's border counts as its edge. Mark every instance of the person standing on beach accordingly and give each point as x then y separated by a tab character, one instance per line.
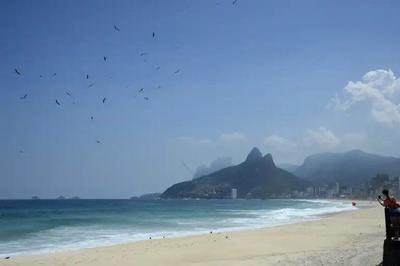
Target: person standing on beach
394	208
389	202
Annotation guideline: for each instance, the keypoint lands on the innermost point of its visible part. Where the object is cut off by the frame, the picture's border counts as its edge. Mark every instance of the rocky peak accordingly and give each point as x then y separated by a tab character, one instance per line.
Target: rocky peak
269	160
254	155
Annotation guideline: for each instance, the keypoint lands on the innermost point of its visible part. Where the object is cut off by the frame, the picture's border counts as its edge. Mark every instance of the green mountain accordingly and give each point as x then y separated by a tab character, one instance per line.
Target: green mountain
352	168
256	176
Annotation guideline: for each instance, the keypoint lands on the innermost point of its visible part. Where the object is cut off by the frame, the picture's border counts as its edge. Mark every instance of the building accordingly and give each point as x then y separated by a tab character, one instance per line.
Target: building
337	189
234	193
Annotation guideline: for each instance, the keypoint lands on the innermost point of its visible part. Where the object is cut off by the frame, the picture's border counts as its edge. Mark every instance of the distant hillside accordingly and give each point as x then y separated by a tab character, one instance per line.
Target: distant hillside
350	168
288	167
257	175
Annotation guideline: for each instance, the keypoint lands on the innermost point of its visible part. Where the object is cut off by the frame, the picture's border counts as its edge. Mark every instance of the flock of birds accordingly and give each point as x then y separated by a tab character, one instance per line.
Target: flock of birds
87	77
141	90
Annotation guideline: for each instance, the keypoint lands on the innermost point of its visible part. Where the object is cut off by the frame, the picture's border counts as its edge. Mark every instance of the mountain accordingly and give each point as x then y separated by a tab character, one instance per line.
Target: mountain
351	168
291	168
256	176
150	196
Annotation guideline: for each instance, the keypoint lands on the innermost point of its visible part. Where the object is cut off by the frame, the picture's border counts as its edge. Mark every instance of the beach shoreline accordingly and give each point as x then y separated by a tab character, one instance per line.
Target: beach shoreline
334	239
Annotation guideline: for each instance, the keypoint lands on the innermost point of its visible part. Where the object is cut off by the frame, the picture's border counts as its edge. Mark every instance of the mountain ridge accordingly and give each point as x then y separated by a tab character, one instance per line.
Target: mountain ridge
257	176
351	168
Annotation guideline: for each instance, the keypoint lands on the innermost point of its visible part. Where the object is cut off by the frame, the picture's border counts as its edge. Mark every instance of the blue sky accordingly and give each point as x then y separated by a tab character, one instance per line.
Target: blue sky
257	73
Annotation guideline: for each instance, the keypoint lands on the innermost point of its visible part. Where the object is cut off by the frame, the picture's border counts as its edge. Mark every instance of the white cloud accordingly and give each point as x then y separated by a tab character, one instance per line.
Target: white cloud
277	142
312	141
226	137
234	136
322	138
195	141
379	90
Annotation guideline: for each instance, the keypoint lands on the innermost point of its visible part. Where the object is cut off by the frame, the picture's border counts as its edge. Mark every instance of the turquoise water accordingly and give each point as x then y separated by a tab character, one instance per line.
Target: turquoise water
37	226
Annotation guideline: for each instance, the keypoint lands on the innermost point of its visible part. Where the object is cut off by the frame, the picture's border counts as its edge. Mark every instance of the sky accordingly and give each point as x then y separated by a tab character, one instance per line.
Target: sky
290	77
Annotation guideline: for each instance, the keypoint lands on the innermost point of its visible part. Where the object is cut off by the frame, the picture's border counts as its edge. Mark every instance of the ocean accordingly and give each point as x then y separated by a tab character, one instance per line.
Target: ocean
41	226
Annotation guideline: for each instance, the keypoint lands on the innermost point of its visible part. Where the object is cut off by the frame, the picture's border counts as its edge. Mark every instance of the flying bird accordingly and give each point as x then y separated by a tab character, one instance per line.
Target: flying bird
141	90
23	97
142	54
146	98
57	102
16	71
104	100
40	76
87	76
104	58
177	71
91	118
98	141
116	28
234	2
91	85
55	74
154	35
21	151
69	94
158	68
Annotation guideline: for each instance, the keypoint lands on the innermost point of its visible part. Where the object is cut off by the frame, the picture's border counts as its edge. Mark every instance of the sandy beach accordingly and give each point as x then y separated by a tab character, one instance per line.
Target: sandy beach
348	238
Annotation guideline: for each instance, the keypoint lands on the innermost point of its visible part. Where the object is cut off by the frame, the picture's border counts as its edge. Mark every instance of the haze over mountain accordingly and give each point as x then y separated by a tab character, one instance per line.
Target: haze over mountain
349	168
288	167
215	165
256	176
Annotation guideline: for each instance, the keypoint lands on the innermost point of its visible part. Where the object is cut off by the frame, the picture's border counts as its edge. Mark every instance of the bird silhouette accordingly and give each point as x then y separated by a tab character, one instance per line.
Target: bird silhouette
104	58
177	71
91	118
69	94
142	54
54	74
234	2
116	28
154	35
146	98
23	97
91	85
21	151
158	68
104	100
40	76
16	71
87	76
57	102
98	141
141	90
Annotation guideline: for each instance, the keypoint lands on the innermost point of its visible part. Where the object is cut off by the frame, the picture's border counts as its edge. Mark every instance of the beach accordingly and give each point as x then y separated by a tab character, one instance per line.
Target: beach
345	238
